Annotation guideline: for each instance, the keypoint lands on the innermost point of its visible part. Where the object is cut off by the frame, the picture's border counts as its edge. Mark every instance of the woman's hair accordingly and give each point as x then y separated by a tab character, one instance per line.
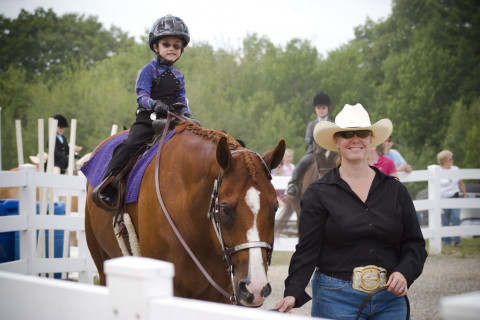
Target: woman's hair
381	148
443	156
338	159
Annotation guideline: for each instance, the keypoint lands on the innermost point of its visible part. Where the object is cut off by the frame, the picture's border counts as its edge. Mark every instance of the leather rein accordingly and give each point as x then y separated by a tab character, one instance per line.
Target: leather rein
213	215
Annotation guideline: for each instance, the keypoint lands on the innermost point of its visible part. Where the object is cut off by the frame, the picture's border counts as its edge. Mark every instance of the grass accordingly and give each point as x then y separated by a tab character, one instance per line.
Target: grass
467	246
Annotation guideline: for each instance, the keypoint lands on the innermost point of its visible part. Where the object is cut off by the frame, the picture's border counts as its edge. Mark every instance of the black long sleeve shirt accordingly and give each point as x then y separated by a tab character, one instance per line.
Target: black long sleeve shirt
339	232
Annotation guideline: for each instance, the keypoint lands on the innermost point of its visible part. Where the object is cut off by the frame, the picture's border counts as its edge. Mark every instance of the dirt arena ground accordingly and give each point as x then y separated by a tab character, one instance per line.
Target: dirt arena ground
443	275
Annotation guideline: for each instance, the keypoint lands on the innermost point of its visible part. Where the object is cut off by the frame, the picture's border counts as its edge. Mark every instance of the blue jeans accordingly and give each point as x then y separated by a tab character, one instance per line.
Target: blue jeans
336	299
451	217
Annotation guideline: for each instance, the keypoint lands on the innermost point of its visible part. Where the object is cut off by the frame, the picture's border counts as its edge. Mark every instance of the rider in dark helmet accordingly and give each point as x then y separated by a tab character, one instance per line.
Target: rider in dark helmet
321	104
160	88
61	144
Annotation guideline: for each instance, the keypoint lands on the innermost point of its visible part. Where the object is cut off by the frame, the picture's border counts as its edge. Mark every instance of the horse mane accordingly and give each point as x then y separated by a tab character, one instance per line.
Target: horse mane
214	136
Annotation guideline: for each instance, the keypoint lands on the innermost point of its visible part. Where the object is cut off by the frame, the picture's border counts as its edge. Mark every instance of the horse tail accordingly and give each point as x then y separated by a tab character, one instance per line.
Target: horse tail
284	216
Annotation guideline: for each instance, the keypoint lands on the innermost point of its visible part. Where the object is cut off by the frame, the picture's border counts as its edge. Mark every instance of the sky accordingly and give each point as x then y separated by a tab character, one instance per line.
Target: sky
327	24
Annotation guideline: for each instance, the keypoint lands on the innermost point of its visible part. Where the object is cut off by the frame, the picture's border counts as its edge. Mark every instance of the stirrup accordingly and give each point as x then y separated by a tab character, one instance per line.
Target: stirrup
97	199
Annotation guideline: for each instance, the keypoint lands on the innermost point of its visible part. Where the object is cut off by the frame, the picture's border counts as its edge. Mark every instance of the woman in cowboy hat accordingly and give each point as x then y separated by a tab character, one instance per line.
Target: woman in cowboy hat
355	217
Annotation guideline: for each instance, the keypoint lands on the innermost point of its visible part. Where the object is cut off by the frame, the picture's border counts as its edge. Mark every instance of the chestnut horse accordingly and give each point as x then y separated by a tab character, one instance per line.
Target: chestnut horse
324	162
195	166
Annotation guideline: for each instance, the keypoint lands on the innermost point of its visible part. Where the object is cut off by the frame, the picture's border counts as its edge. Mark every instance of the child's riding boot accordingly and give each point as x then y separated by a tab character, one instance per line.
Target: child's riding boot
105	194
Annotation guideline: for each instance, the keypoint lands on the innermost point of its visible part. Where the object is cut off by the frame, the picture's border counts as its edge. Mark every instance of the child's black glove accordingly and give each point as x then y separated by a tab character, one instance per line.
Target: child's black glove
160	108
177	107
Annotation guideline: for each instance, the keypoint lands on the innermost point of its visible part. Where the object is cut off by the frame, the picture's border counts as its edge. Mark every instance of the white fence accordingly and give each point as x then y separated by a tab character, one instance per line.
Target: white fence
433	204
137	288
27	222
142	288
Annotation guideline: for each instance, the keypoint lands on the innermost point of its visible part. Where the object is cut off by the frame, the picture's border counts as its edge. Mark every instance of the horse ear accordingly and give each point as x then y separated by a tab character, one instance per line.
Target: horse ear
224	157
274	158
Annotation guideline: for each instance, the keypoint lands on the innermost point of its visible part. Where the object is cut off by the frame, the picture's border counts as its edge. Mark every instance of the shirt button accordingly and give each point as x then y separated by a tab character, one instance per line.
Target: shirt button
370	225
366	209
371	250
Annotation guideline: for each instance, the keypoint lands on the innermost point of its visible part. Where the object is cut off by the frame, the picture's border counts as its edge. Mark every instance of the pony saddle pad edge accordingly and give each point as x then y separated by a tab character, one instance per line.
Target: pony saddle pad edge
95	168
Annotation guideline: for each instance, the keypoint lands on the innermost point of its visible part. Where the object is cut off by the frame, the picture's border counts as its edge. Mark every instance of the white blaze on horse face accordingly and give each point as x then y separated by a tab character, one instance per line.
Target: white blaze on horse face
256	268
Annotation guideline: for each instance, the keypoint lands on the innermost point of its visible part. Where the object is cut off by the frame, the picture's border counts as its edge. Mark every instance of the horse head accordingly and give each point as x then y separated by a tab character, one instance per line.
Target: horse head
245	209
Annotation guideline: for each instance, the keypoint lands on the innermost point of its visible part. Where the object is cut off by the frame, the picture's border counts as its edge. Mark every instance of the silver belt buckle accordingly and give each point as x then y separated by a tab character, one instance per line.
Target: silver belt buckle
369	278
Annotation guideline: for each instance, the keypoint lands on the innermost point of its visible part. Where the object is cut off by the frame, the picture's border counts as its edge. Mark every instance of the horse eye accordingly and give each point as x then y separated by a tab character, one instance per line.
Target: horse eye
227	215
226	210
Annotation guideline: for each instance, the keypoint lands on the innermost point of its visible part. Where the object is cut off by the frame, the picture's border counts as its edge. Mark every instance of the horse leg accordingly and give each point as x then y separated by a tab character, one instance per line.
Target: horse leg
98	255
100	236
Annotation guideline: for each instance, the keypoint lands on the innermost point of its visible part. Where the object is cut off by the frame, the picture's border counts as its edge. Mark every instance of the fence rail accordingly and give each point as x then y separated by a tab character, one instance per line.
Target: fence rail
434	205
137	288
27	223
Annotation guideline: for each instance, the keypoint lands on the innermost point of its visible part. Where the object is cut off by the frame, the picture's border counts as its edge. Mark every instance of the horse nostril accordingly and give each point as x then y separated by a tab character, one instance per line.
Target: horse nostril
243	292
266	290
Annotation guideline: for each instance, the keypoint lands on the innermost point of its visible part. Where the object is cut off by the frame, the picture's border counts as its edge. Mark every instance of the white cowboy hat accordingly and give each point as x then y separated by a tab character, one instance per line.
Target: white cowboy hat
36	159
351	118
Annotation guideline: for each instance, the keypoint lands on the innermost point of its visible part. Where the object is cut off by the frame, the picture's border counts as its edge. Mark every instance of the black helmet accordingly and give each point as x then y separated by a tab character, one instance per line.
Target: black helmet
168	26
322	99
62	122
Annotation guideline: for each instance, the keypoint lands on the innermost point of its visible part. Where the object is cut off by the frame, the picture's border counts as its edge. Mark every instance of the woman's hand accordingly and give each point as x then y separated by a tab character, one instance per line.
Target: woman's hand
397	284
286	304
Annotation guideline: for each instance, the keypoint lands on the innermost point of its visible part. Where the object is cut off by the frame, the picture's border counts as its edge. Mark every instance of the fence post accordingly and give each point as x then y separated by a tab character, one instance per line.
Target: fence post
435	213
132	281
87	276
27	206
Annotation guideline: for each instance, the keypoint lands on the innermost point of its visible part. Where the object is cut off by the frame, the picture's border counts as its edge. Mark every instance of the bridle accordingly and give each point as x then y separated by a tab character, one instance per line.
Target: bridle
213	215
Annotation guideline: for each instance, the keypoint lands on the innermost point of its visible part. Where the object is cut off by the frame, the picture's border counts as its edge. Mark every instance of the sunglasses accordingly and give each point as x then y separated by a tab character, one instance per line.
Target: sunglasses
350	134
175	46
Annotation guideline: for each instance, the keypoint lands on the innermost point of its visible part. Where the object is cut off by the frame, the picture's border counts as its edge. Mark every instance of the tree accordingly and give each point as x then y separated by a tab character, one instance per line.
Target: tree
463	135
42	42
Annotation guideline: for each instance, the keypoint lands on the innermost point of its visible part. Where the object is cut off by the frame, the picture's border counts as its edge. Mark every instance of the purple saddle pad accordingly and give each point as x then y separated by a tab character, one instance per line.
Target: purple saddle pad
95	168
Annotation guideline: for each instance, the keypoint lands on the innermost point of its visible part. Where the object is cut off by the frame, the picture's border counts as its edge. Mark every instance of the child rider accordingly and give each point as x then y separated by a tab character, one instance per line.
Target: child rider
160	88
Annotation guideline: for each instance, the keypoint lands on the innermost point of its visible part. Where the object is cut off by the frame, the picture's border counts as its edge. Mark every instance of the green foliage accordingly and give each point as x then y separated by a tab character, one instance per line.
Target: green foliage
420	68
43	42
463	137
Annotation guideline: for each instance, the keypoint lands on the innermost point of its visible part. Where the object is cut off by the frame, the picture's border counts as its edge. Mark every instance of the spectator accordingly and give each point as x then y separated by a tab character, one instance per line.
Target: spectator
450	188
287	167
284	169
397	158
378	160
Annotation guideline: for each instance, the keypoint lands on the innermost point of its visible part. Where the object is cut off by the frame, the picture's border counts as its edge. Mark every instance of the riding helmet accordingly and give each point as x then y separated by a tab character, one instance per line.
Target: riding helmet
322	99
168	26
62	121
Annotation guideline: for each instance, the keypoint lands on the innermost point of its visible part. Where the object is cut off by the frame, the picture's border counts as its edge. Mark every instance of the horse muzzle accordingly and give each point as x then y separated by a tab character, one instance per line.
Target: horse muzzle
252	296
